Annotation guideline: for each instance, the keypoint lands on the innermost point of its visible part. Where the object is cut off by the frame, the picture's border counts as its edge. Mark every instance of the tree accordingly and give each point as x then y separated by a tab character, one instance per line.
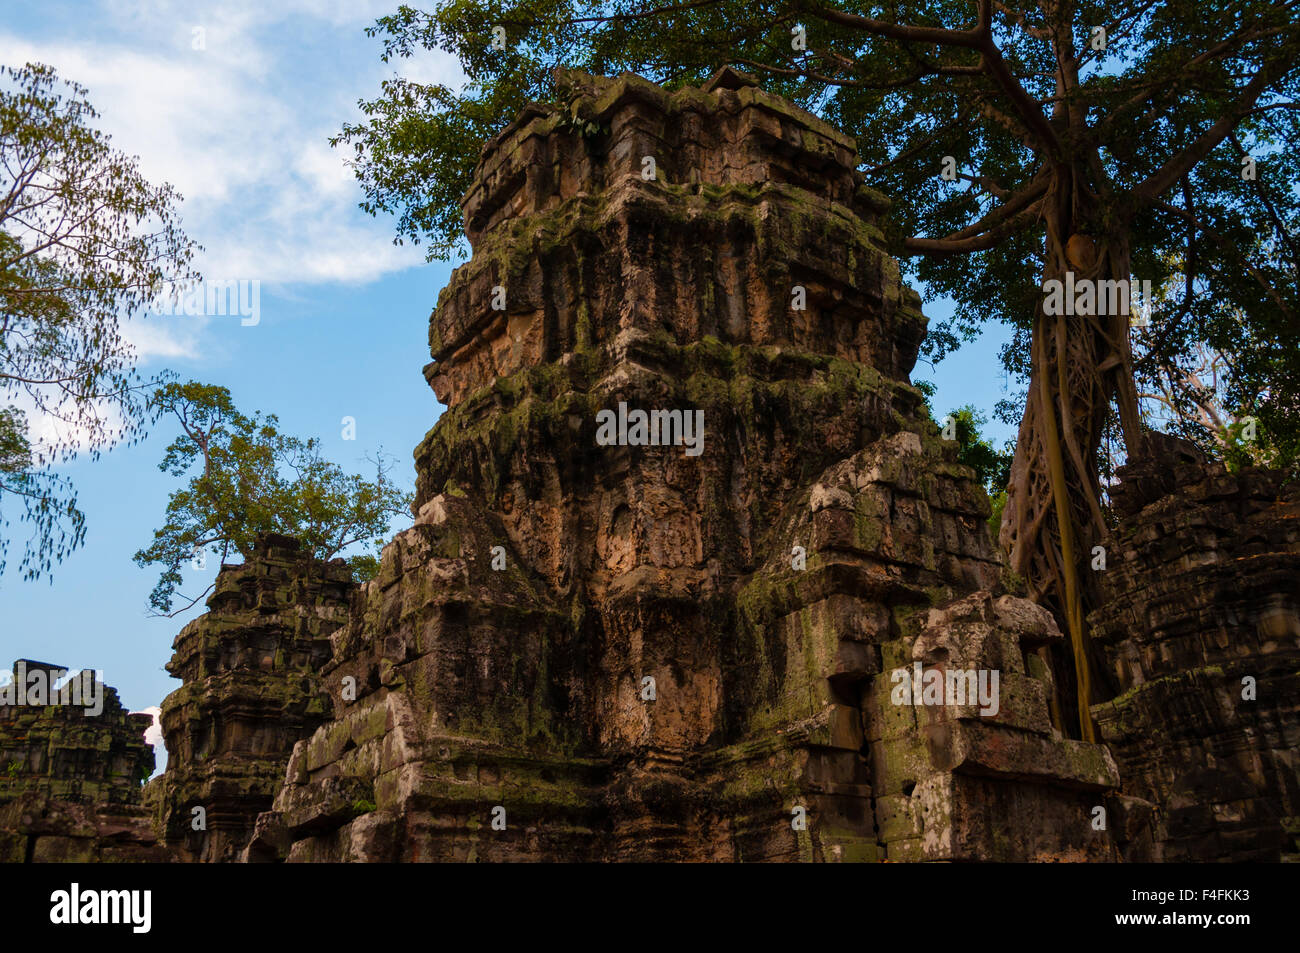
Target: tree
992	467
1215	395
965	426
85	242
252	479
1020	141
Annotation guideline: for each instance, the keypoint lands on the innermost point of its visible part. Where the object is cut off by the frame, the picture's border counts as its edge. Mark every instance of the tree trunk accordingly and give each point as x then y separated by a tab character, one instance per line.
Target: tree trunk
1080	364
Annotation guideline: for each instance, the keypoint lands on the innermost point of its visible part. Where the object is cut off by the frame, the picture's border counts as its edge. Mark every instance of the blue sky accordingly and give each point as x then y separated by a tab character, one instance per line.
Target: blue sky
240	127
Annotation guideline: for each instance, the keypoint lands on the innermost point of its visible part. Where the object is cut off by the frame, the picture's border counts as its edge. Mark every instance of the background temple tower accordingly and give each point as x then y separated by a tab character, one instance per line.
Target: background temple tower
71	774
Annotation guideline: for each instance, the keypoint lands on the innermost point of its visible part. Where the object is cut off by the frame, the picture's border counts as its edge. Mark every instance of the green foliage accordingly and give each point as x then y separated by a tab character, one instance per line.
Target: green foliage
997	503
253	479
992	468
84	243
1247	443
15	450
571	120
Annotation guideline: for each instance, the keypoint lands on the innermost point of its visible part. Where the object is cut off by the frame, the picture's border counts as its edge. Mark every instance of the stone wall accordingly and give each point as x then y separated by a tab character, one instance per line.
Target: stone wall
249	690
1201	629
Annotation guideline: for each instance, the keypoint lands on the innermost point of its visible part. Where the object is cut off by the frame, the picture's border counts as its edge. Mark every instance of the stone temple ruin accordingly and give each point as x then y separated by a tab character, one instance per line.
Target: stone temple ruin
70	780
627	652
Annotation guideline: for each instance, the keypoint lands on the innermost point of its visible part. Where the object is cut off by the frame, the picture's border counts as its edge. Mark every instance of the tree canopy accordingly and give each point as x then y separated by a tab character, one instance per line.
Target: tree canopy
248	478
85	242
1022	143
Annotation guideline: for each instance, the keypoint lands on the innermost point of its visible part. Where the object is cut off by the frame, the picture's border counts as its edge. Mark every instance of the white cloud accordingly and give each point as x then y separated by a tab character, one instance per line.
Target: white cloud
163	338
73	431
251	13
325	169
429	68
152	338
153	735
241	129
